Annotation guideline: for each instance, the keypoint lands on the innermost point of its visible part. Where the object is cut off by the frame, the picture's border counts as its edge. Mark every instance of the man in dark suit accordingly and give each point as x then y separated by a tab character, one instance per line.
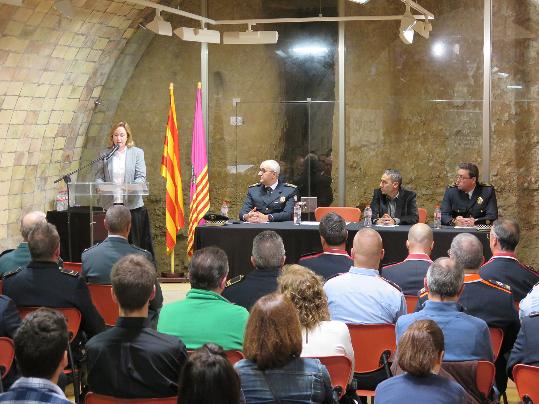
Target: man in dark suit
270	200
268	257
10	319
526	348
112	354
392	204
97	261
468	202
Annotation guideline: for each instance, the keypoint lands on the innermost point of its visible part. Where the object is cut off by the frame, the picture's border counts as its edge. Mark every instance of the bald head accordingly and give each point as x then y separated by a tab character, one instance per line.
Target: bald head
367	250
29	221
467	252
420	240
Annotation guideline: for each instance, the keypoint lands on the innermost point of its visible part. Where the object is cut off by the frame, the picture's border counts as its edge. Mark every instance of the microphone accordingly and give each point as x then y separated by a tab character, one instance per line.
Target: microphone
109	155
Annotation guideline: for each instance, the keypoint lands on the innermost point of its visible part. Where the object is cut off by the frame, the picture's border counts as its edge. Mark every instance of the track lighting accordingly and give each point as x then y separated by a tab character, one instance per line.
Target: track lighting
160	26
198	35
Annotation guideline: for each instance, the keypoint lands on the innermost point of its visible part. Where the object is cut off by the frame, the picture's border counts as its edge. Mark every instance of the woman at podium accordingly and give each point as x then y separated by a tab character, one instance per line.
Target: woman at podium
123	163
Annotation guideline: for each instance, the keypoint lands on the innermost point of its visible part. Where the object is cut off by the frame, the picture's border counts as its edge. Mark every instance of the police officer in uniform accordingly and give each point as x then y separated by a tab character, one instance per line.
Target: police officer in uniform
270	200
468	202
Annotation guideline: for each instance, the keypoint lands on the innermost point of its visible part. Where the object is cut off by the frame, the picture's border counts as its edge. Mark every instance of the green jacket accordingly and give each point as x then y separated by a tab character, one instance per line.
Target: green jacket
204	316
20	257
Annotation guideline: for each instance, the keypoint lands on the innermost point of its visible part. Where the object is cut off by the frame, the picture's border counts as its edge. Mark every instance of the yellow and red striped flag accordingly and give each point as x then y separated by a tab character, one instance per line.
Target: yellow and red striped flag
200	188
171	171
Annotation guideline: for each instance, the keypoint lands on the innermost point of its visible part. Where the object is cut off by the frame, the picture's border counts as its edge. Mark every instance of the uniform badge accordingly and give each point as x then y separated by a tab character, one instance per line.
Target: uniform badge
282	199
479	201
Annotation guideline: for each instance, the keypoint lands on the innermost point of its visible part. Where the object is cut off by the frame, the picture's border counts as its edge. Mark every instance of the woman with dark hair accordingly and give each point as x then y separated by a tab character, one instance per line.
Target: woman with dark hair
273	370
208	377
419	354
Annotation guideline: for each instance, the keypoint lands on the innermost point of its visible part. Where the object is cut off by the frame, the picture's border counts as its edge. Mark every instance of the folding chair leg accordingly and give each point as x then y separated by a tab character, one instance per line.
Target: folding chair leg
504	397
74	373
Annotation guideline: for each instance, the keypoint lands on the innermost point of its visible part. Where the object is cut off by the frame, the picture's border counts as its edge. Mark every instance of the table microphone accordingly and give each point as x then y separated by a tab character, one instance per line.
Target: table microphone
108	156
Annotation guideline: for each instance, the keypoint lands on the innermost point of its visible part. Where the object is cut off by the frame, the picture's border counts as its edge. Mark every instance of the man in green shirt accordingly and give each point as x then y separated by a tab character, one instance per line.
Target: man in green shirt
205	316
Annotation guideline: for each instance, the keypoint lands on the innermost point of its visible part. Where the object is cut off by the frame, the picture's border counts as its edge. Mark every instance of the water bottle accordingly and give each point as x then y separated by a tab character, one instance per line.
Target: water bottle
367	216
297	213
224	208
437	217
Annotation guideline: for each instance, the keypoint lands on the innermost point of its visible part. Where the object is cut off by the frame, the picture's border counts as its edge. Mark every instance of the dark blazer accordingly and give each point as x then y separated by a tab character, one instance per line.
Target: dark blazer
482	206
526	348
329	263
406	209
245	291
279	203
408	274
10	319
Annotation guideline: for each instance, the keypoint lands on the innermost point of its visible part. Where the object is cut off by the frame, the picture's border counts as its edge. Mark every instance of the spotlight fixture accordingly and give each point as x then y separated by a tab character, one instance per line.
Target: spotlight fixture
160	26
406	30
198	35
250	37
360	1
65	7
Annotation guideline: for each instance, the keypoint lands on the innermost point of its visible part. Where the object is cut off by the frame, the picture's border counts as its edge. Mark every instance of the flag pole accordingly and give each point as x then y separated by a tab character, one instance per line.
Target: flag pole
172	261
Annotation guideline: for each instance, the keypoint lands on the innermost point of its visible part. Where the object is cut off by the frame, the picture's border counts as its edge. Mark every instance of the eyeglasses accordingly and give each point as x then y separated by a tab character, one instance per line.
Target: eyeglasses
263	170
460	177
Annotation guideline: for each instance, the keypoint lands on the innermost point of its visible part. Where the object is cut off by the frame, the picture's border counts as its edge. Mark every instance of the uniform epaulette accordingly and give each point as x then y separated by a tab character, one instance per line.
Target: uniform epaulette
311	254
452	186
89	248
392	284
139	248
534	314
254	185
531	269
286	184
8	274
70	272
234	280
423	292
499	285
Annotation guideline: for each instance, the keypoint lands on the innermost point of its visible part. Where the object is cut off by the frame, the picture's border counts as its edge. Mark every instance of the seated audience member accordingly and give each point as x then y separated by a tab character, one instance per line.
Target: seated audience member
273	370
361	296
41	352
208	377
410	273
419	354
320	335
97	261
504	266
530	303
466	337
113	354
526	348
205	316
10	319
268	257
334	259
20	257
43	283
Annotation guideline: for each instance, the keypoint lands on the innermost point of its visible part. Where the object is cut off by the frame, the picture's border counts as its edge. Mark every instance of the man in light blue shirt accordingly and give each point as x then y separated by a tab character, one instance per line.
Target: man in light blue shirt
530	303
361	296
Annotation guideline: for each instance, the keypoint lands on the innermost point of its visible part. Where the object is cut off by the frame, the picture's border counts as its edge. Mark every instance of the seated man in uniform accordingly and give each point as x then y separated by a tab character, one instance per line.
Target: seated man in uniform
466	337
391	203
334	260
269	200
469	202
526	348
410	273
97	261
504	266
112	354
204	316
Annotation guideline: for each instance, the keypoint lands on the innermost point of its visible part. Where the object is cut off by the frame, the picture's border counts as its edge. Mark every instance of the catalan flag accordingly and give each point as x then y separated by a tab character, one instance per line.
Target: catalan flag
171	171
199	192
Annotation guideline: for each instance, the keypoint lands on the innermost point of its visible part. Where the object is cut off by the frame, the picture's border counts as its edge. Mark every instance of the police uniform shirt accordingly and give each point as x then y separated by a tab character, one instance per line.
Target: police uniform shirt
526	348
361	296
278	203
530	303
19	257
329	263
247	290
504	267
408	274
482	205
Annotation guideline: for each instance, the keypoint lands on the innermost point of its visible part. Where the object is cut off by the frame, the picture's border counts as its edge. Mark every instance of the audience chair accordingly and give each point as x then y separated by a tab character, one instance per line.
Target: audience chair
349	214
422	215
496	339
411	303
484	377
373	346
73	266
7	352
234	356
340	371
527	380
92	398
102	298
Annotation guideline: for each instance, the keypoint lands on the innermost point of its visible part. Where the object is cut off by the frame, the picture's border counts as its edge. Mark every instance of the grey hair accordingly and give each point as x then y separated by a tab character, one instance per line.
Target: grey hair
444	278
272	165
29	221
467	251
395	175
268	250
507	231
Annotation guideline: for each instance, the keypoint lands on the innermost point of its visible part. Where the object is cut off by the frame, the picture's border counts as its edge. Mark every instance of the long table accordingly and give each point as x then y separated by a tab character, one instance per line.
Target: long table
237	240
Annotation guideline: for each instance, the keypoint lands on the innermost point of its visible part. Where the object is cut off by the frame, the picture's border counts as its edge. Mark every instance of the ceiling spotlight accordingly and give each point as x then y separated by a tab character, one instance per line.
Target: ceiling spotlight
198	35
160	26
65	7
360	1
250	37
406	30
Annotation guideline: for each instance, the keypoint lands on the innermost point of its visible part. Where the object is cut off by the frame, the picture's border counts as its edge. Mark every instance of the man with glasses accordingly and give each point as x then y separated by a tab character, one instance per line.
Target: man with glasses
468	202
269	200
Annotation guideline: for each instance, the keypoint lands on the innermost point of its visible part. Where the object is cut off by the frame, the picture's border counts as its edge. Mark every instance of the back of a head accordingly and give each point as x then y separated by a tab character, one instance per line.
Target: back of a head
306	291
273	333
133	279
367	248
207	268
420	347
118	219
29	221
208	377
333	229
420	237
444	278
507	231
467	251
43	241
268	250
40	343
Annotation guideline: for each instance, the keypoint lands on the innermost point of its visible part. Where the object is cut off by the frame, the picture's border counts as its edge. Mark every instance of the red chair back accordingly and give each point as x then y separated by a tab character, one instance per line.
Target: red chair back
234	356
527	380
484	376
92	398
1	287
349	214
340	371
496	339
411	303
71	314
7	352
102	298
370	341
422	215
73	266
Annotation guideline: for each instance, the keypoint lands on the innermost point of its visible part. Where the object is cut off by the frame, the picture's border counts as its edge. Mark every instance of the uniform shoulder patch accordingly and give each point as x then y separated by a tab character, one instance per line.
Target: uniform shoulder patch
254	185
499	284
423	292
233	281
286	184
11	273
534	314
89	248
69	272
139	248
392	284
